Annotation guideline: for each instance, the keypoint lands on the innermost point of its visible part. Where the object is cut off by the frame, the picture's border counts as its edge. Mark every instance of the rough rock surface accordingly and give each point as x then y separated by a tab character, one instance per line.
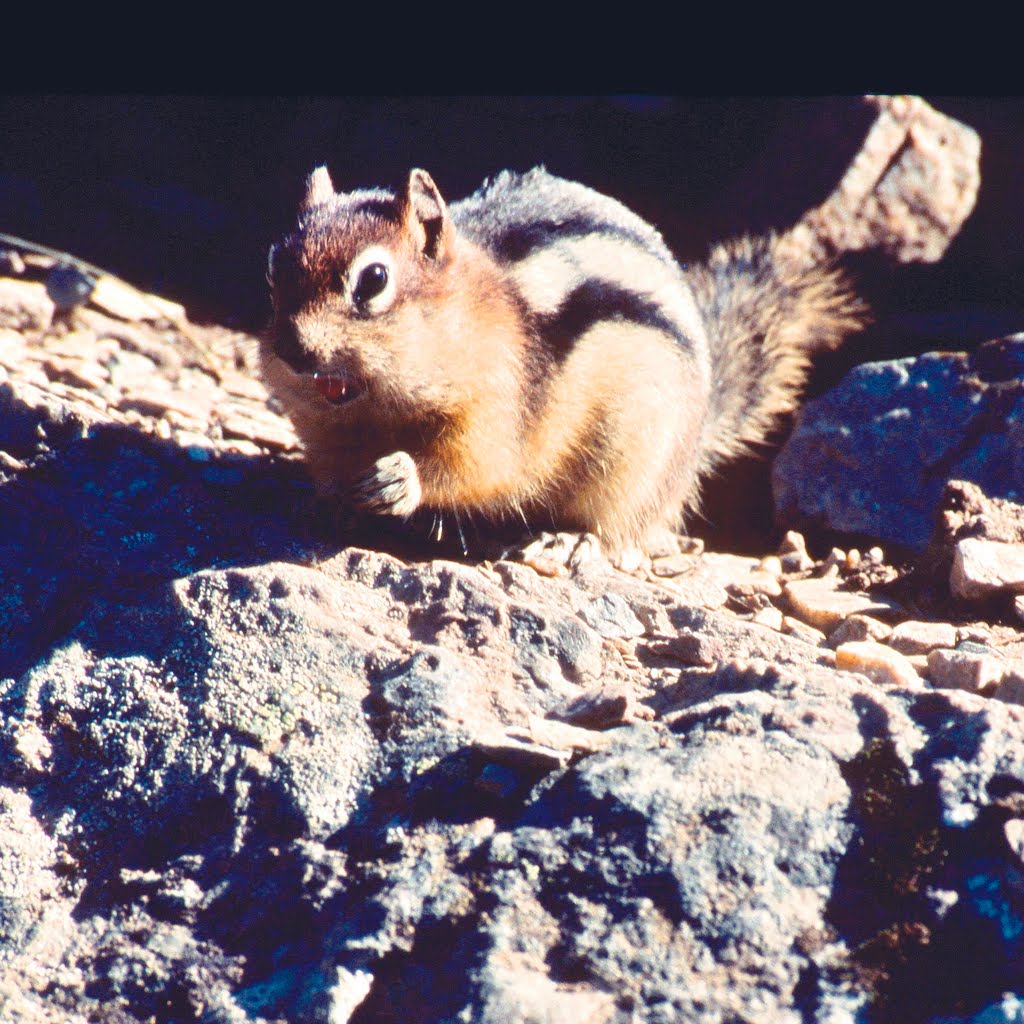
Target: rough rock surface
912	159
873	455
256	771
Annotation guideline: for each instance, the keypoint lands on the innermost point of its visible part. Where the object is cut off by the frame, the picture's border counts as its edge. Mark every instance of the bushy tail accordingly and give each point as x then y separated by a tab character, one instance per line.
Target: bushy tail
766	313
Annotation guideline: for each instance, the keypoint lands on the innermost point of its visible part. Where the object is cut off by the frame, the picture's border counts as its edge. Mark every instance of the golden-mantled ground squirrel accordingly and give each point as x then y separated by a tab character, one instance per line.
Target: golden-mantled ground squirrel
531	352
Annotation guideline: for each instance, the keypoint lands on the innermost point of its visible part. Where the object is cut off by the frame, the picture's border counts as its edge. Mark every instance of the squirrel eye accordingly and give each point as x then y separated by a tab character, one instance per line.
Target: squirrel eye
372	281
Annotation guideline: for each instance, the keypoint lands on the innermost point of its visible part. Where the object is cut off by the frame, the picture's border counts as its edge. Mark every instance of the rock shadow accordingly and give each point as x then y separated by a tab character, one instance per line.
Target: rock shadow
931	914
118	510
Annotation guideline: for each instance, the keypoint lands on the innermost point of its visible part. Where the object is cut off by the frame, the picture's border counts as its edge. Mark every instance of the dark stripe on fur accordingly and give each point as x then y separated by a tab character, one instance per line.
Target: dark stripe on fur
595	300
377	206
521	240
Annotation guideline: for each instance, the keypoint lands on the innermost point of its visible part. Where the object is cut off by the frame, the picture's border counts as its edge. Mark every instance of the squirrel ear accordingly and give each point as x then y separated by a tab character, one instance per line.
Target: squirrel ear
319	189
425	215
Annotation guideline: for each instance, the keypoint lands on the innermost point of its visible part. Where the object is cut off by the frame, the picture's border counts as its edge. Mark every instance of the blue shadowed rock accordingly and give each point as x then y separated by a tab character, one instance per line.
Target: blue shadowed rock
69	287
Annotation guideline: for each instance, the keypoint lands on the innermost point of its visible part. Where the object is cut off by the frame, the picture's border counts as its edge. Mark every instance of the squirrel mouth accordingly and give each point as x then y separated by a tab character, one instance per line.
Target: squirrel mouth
337	388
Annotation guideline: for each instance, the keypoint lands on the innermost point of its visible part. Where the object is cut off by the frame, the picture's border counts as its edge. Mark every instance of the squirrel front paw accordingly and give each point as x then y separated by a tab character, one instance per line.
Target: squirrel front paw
391	487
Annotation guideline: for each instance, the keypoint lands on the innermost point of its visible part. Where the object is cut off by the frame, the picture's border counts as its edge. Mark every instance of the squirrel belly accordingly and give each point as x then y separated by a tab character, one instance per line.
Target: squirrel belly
532	352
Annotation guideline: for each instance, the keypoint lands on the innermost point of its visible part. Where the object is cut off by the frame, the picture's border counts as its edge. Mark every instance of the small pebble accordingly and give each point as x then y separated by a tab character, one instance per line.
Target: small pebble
760	582
1011	686
794	627
769	616
69	287
833	560
852	559
791	542
859	627
1013	830
793	553
555	735
974	647
688	648
819	604
914	637
516	750
963	670
611	616
672	565
975	633
880	664
597	708
11	262
771	564
985	567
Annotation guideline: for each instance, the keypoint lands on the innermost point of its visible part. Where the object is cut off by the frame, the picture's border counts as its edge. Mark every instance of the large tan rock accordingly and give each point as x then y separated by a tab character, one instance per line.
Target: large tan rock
907	192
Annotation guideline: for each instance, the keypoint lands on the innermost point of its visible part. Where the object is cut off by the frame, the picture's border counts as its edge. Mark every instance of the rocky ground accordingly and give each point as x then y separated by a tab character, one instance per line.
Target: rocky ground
256	769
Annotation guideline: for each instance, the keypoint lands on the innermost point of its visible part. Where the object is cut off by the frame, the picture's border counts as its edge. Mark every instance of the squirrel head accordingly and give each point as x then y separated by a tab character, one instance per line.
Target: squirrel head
420	208
353	283
329	250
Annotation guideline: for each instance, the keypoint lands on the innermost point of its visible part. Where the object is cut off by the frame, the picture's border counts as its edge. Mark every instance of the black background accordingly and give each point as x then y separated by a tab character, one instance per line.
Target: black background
184	194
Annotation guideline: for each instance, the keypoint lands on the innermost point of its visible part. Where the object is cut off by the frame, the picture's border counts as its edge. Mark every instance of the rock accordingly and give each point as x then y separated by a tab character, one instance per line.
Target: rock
965	514
705	580
1010	687
24	305
688	647
919	662
1007	1010
794	627
672	565
982	568
859	627
975	644
68	287
611	616
861	457
967	511
820	604
880	664
963	670
793	555
756	582
29	869
11	263
122	300
598	708
910	188
518	754
769	616
913	637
